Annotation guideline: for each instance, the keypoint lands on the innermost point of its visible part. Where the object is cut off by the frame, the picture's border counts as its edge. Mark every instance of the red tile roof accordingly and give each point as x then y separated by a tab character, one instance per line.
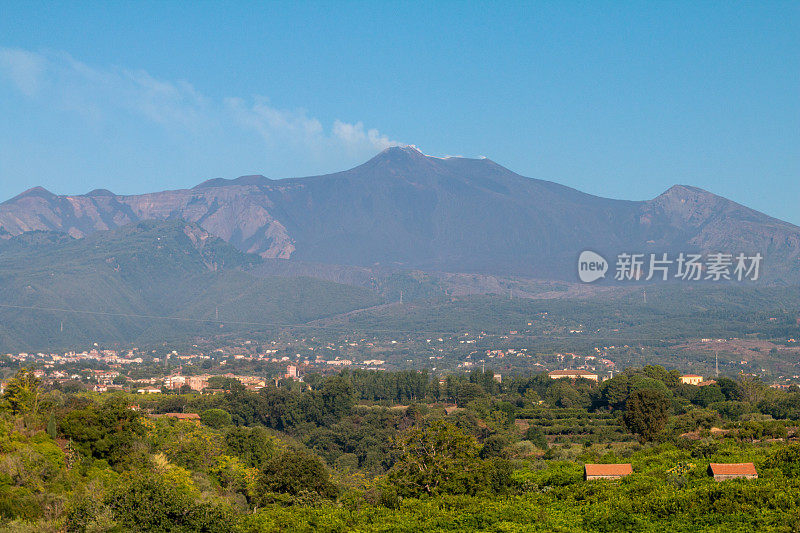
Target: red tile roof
609	470
733	469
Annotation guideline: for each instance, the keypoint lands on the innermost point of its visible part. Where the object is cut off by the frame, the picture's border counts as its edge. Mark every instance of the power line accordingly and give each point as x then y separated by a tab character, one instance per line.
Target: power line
312	326
217	321
158	317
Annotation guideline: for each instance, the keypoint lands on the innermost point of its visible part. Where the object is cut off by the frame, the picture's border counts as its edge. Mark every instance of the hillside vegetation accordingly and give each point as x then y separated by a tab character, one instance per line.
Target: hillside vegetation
342	453
670	312
149	269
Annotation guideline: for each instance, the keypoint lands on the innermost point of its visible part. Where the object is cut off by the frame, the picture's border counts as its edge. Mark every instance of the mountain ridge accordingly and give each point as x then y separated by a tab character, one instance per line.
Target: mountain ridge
405	209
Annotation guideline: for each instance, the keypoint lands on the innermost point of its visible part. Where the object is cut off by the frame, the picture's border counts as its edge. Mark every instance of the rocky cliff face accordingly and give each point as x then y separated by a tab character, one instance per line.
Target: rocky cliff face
405	209
238	214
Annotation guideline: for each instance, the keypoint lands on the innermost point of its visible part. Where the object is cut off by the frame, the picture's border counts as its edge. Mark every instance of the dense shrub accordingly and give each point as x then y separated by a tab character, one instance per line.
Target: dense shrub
295	473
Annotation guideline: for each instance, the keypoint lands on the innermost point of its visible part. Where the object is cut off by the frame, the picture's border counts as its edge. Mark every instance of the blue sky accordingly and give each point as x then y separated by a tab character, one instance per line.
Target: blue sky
619	99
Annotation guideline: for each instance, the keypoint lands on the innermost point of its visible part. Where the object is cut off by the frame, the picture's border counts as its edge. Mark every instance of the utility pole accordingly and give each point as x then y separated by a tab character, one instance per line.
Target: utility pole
716	362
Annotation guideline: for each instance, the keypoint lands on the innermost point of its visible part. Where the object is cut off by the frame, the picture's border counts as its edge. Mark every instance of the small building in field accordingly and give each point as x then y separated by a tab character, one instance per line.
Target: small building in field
610	471
572	374
723	471
691	379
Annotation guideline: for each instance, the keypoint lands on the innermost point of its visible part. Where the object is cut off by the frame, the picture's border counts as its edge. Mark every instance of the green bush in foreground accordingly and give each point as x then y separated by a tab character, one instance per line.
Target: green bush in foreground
313	460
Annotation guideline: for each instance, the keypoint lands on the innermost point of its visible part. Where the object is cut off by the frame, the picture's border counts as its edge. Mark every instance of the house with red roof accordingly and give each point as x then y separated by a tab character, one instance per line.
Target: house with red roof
608	471
723	471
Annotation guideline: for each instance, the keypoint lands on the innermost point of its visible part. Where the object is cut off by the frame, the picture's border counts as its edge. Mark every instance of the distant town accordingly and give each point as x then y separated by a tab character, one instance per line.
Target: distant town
255	363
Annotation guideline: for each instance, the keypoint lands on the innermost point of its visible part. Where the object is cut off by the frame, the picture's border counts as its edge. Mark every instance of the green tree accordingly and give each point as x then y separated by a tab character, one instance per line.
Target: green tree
296	473
729	388
751	389
657	372
707	395
467	392
787	459
494	446
52	430
646	413
149	502
337	398
216	418
536	436
252	445
22	392
104	431
225	383
615	391
440	458
564	393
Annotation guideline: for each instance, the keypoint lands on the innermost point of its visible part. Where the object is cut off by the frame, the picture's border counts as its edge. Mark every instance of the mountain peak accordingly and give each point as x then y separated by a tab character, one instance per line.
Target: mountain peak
409	153
399	157
34	192
100	192
409	150
686	193
684	190
254	179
